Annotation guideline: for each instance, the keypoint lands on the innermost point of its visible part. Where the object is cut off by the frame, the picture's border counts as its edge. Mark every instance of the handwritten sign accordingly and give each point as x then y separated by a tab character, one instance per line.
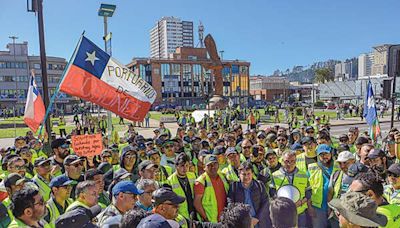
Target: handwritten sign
87	145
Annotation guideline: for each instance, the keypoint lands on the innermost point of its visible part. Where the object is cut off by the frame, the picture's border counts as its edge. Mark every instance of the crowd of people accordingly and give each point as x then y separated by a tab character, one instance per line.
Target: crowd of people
213	173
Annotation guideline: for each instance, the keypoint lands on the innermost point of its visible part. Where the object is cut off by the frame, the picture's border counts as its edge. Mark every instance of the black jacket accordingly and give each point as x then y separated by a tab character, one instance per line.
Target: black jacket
259	198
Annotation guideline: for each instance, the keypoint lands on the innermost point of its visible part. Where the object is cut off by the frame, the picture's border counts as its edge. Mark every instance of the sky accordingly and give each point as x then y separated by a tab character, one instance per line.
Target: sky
269	34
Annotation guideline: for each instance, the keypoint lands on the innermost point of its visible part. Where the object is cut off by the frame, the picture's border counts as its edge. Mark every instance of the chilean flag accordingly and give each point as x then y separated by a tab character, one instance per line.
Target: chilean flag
95	76
34	107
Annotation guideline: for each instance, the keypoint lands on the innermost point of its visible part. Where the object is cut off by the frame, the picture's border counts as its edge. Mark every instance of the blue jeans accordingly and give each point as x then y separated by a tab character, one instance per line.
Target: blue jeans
302	220
320	219
147	122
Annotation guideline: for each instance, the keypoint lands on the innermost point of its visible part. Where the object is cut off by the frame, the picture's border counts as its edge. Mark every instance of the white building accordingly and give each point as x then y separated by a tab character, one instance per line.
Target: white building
365	62
168	34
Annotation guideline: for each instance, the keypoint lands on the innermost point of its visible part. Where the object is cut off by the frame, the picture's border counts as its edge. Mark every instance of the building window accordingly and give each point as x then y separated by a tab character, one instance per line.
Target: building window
36	66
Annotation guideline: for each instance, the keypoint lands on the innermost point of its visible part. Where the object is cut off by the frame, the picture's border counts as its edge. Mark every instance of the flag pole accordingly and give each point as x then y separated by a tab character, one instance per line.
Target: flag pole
58	85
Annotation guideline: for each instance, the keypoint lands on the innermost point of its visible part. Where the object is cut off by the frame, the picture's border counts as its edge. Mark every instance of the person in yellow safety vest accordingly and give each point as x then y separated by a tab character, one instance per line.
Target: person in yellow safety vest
210	191
246	150
355	209
103	124
166	204
36	149
164	130
252	193
17	165
28	209
86	196
97	176
61	127
124	197
309	156
219	152
317	124
392	190
13	183
163	172
289	174
370	185
43	177
319	175
60	148
340	180
182	182
26	155
61	188
257	159
309	131
231	172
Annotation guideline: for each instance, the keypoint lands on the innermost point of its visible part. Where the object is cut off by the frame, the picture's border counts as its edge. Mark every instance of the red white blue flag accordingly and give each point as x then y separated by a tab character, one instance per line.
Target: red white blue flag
95	76
34	107
370	113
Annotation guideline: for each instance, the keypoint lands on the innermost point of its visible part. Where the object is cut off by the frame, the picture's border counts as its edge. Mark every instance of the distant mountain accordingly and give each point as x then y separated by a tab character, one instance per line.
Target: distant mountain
306	74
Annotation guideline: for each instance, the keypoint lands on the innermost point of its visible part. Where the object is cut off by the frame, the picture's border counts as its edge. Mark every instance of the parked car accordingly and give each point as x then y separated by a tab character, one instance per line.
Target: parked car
331	106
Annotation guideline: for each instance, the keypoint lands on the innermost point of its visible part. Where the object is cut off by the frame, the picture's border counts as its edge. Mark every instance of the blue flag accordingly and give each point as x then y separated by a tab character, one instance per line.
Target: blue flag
369	106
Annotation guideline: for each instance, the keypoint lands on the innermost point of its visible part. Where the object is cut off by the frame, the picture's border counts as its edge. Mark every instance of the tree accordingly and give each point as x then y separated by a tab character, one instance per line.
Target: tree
323	75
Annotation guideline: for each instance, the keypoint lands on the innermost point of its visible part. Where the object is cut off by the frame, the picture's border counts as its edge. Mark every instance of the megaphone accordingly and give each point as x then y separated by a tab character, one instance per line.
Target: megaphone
290	192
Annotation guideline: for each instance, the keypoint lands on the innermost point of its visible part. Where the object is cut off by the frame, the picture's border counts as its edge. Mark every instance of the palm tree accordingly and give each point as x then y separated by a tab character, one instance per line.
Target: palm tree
323	75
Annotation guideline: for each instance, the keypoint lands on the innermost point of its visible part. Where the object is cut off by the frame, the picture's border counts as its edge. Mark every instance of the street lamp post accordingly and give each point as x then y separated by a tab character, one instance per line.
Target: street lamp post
37	7
105	11
15	107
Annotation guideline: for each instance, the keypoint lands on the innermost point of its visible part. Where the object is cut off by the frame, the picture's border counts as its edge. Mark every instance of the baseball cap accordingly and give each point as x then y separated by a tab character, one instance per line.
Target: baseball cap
13	179
210	159
296	146
61	180
307	139
121	174
309	128
343	137
269	151
204	152
376	153
128	148
126	187
104	167
40	161
261	134
164	194
271	137
358	209
230	150
219	150
323	148
394	168
147	164
151	152
78	218
149	142
344	156
71	159
154	221
106	152
58	143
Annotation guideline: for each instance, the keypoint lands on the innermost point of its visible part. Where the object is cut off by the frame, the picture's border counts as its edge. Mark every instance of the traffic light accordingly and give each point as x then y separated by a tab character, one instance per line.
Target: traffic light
387	88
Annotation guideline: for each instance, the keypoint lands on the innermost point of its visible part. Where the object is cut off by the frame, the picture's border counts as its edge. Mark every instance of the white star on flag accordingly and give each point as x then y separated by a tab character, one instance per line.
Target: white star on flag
371	102
91	57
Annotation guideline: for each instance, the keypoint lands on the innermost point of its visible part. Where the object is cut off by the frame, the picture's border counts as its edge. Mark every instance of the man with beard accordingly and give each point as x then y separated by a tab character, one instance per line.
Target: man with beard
231	171
378	161
28	210
257	158
261	138
270	141
353	135
97	176
363	154
340	179
43	177
282	141
371	185
309	155
26	154
392	190
60	149
319	177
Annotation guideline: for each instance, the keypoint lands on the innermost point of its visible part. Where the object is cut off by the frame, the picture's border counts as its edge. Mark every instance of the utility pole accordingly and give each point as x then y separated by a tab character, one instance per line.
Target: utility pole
15	107
37	7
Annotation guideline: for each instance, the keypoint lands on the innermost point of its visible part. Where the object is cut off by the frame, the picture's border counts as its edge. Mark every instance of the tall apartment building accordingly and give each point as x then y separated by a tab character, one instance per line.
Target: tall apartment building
15	67
168	34
346	70
379	67
365	62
